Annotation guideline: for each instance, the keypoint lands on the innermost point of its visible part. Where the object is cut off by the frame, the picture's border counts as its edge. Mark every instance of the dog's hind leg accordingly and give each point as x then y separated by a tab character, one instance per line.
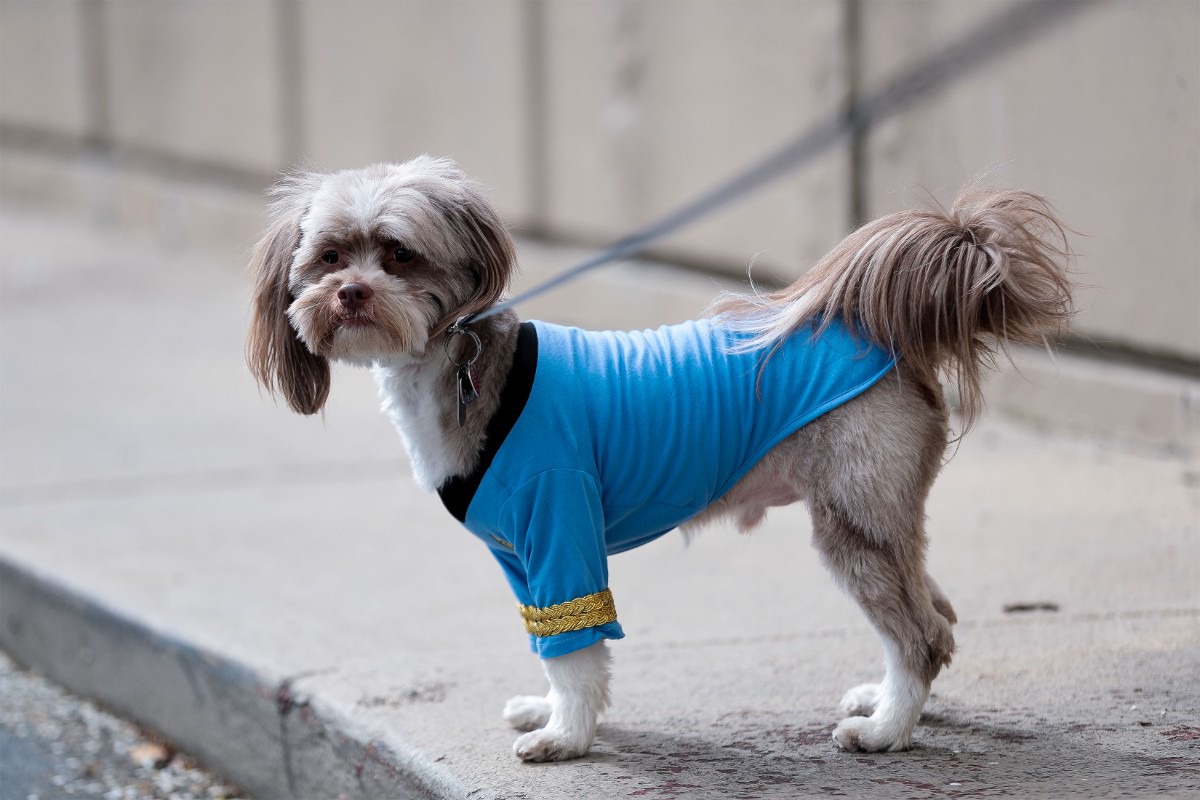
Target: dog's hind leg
869	466
940	601
917	640
862	700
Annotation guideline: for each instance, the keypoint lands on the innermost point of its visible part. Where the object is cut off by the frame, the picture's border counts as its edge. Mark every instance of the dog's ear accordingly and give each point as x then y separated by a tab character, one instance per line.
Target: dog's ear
493	254
279	360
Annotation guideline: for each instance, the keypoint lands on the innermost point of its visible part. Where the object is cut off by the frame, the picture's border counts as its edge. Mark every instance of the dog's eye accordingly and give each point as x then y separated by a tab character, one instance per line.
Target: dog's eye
398	260
330	256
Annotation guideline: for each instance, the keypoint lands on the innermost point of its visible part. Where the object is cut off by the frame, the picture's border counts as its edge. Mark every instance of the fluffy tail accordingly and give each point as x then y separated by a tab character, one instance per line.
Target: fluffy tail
943	290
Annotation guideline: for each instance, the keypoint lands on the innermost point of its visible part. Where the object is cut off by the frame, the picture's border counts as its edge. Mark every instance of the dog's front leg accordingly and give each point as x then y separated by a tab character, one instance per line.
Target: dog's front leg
568	714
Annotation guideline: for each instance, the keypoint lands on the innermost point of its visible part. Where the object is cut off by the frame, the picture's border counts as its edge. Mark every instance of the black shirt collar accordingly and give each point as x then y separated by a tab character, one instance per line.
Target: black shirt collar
457	492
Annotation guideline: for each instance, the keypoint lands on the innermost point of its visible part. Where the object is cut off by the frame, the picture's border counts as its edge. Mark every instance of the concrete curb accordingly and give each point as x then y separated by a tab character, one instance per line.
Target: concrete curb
237	721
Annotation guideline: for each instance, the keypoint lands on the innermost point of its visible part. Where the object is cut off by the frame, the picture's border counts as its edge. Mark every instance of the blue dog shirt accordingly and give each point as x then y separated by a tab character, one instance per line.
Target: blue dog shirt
604	441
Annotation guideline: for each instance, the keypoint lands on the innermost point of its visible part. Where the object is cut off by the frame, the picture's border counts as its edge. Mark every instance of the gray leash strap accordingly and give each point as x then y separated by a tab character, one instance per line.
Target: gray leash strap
1016	25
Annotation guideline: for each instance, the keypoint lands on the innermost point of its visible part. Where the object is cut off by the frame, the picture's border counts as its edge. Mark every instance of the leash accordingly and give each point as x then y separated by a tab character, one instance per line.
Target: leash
1003	32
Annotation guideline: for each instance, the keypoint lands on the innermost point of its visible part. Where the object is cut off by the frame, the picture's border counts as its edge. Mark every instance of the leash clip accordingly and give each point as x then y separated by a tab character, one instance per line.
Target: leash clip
460	325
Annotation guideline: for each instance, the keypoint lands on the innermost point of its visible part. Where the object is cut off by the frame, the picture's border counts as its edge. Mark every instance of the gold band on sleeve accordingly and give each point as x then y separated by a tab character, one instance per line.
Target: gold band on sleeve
574	615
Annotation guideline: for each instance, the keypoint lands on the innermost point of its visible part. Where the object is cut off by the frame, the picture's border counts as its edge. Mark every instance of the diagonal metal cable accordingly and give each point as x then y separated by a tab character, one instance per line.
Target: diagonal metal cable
1017	25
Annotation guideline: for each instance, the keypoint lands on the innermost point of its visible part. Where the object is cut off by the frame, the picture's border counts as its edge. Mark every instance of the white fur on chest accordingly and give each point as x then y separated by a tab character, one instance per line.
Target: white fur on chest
408	389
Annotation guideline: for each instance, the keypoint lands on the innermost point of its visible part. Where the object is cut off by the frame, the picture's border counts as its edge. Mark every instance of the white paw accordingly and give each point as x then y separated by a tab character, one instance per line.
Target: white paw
861	701
527	713
864	734
551	744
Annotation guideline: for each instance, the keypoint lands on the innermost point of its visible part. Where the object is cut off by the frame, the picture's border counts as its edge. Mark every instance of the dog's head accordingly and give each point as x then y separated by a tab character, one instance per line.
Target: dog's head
368	264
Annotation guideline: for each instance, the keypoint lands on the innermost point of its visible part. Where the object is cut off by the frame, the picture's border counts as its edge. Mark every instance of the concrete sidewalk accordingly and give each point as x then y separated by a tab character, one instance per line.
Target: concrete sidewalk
273	592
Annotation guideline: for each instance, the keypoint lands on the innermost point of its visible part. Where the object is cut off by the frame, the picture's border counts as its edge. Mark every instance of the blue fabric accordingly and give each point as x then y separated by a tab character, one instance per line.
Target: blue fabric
626	435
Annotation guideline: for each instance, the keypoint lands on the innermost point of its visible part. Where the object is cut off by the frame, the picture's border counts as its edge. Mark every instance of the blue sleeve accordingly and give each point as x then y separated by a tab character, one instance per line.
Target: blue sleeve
557	524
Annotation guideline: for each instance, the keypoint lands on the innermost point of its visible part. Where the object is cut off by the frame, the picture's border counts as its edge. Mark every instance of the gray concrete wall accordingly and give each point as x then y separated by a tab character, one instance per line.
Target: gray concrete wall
650	104
589	118
387	81
1103	118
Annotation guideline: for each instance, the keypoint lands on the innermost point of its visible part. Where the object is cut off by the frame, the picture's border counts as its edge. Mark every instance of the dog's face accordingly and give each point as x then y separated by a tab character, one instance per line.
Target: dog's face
365	265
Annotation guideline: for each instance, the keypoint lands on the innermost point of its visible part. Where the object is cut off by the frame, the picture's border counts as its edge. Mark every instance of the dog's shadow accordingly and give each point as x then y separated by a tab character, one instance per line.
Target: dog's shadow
957	752
737	762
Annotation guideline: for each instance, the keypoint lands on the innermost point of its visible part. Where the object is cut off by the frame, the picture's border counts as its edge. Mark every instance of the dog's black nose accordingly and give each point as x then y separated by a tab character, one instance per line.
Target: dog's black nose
354	295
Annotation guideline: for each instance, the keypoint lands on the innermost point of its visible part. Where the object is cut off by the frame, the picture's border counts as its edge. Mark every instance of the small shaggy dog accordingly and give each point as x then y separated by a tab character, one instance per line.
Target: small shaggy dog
558	447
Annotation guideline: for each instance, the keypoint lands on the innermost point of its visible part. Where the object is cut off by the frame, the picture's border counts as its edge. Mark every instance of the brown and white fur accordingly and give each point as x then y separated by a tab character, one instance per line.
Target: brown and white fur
372	266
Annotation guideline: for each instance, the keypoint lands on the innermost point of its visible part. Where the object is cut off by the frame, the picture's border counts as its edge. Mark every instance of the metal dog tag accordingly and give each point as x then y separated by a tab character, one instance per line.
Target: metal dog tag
466	381
467	391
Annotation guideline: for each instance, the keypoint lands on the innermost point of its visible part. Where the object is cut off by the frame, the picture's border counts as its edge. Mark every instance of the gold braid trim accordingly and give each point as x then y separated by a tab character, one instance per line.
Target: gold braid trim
582	612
